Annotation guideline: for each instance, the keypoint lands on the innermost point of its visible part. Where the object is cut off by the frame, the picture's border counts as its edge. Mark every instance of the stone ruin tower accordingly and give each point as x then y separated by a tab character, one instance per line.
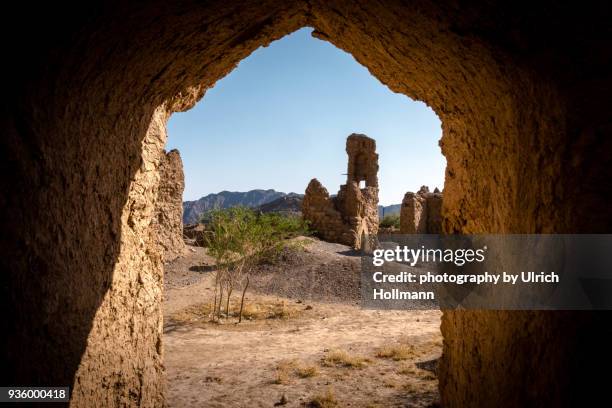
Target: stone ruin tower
350	218
421	212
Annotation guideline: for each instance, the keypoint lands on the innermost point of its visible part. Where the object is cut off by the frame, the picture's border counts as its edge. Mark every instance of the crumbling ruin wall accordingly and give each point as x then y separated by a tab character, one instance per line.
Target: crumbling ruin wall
350	218
434	213
413	220
421	212
320	210
168	219
527	143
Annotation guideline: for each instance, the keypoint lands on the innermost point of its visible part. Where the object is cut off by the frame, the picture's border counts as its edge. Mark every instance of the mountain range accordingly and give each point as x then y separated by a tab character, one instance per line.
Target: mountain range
263	200
192	210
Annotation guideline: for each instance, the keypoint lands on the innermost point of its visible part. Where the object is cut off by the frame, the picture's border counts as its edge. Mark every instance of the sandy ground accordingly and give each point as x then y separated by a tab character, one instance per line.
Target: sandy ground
388	357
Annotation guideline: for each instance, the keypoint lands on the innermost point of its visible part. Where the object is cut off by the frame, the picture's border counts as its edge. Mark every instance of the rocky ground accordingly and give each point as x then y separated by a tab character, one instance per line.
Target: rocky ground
304	341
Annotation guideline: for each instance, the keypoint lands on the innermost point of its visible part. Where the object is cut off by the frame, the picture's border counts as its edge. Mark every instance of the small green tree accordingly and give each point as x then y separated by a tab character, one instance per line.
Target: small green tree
273	232
227	243
240	238
390	221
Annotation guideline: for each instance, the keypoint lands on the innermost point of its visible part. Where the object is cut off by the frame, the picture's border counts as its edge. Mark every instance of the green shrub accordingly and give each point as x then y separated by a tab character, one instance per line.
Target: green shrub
390	221
206	217
241	238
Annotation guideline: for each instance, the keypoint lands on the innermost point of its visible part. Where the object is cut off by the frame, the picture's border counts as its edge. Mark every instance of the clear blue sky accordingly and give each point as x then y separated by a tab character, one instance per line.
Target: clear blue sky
282	117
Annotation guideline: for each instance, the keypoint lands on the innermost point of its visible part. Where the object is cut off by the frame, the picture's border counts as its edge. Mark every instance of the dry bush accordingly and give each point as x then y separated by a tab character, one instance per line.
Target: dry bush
288	368
269	310
342	358
396	352
326	400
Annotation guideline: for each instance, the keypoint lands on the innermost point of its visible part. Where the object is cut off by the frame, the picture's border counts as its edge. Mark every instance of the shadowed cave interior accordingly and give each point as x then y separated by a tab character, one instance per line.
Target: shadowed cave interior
523	95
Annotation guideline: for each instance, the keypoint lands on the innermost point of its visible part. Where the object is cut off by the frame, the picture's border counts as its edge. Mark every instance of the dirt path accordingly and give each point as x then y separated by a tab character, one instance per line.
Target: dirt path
312	350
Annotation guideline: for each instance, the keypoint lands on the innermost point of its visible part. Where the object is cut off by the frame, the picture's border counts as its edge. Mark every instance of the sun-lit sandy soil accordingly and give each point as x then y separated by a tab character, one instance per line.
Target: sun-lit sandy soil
294	351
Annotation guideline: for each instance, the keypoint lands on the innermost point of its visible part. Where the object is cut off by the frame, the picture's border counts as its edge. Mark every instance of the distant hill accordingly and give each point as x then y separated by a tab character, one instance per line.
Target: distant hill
292	203
388	210
192	210
262	200
289	204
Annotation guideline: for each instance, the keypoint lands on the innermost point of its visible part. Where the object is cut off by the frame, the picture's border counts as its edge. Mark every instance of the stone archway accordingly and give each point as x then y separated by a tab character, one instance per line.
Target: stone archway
526	142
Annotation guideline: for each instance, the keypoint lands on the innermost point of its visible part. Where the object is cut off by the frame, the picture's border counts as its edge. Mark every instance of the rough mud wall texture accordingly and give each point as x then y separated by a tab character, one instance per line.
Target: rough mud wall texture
350	218
168	219
124	345
523	94
421	212
81	281
516	125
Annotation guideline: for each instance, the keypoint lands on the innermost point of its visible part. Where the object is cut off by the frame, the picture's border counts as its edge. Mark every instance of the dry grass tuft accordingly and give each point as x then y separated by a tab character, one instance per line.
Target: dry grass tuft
307	371
342	358
411	388
269	310
253	310
412	370
286	369
396	352
300	243
193	313
408	369
427	376
283	372
326	400
420	387
390	383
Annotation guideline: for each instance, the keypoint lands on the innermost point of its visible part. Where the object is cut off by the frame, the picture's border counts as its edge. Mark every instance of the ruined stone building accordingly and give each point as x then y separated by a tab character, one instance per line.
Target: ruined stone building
352	215
421	212
168	220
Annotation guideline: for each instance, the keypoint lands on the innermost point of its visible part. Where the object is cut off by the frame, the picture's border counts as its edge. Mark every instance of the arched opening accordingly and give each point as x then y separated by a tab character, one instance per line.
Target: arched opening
526	142
278	120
